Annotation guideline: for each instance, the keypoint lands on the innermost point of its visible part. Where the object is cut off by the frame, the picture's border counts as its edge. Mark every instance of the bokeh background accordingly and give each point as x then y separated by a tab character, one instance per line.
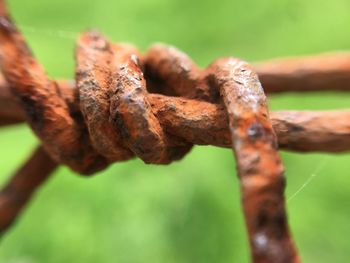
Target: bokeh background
188	211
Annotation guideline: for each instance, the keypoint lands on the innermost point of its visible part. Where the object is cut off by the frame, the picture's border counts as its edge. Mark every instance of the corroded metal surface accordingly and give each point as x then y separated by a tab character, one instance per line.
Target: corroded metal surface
93	78
259	166
19	189
156	106
324	72
204	123
47	113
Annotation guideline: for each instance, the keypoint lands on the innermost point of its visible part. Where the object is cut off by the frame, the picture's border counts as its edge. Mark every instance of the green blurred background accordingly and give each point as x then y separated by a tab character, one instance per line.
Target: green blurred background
188	211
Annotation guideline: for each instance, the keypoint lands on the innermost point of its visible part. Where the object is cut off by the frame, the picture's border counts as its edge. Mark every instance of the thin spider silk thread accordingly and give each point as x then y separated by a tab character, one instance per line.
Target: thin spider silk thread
313	175
65	34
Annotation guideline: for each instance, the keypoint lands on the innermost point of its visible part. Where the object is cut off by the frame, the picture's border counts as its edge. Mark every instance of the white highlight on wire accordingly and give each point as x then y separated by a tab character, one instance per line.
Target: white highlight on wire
311	177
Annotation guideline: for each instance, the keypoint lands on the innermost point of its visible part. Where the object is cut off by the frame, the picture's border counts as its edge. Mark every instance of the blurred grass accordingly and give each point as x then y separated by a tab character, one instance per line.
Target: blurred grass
188	211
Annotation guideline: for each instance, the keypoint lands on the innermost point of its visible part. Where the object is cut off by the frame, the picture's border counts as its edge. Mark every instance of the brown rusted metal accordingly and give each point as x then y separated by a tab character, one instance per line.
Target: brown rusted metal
156	107
47	113
325	72
203	123
93	78
21	187
8	112
259	166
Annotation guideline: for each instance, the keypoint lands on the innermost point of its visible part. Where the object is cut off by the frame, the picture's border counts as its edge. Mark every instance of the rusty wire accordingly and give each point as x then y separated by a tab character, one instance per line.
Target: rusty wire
156	107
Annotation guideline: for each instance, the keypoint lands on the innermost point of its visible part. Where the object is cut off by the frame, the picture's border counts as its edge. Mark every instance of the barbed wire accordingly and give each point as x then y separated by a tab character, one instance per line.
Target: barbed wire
156	107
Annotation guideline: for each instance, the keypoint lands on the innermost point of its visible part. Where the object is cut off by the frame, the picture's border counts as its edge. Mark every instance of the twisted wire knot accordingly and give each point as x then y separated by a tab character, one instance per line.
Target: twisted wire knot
118	121
113	100
111	117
